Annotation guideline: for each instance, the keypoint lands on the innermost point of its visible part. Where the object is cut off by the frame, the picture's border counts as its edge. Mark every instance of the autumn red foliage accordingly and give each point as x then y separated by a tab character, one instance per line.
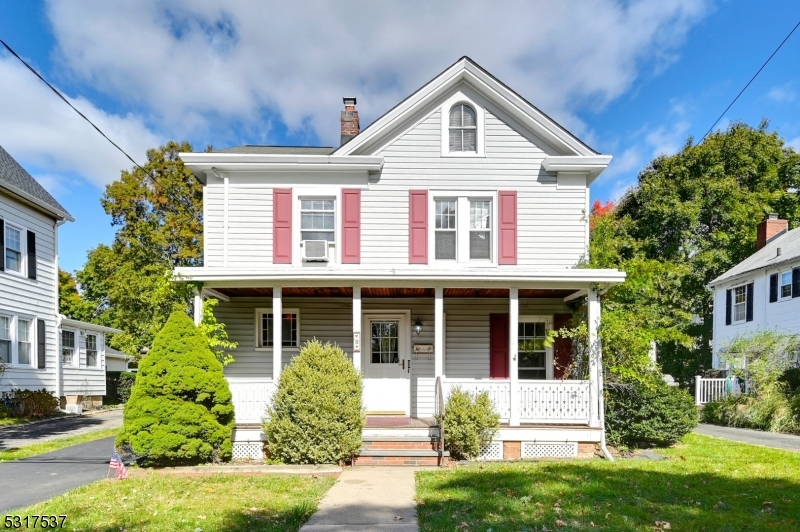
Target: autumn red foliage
600	209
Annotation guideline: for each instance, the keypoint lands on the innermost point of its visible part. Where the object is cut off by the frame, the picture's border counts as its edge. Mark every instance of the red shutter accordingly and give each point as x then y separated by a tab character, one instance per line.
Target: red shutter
498	346
351	226
562	347
282	226
418	227
508	227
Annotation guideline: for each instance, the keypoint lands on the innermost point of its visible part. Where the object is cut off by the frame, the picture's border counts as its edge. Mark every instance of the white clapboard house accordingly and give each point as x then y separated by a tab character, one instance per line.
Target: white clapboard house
40	348
437	247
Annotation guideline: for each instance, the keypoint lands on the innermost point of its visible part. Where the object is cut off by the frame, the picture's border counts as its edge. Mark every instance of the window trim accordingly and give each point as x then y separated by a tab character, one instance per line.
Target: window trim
548	326
257	323
780	286
75	349
463	199
459	97
733	289
14	339
301	199
23	245
305	192
99	348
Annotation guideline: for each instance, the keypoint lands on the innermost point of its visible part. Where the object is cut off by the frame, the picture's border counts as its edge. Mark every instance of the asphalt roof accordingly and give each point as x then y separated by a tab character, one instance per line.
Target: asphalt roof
283	150
16	179
766	257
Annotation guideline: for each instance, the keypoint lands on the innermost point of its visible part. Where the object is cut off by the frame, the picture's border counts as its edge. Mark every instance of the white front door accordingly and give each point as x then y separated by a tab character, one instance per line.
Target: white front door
387	364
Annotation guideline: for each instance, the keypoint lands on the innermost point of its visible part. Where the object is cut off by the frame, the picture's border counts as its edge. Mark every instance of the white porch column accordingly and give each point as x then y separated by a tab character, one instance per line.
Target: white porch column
595	359
357	328
277	333
198	307
438	332
513	352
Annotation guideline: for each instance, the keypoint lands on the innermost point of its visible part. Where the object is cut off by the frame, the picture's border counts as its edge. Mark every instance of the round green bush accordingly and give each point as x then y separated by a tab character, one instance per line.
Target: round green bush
125	385
648	412
469	423
180	410
316	414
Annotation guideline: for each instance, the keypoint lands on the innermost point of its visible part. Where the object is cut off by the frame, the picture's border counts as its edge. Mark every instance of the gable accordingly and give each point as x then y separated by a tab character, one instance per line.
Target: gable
466	75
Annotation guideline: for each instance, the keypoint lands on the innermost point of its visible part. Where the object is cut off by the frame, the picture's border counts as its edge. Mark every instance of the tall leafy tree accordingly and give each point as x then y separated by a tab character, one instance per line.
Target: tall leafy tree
158	213
70	302
698	211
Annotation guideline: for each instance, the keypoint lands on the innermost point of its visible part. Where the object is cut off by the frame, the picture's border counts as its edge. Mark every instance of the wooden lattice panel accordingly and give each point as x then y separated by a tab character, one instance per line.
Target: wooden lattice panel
549	450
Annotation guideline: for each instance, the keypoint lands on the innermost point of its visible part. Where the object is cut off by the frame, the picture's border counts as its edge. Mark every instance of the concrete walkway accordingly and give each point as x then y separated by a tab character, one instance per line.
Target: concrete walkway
368	498
756	437
19	436
42	477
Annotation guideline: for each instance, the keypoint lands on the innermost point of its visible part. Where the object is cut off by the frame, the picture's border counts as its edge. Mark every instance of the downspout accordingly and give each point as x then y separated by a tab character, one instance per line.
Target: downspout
58	224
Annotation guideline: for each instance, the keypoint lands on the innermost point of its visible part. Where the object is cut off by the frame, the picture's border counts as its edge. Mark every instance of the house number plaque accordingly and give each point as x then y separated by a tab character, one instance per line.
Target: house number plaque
356	341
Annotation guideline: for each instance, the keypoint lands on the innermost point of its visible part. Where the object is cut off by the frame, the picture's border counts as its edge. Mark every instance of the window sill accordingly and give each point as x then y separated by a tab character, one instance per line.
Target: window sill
269	349
466	155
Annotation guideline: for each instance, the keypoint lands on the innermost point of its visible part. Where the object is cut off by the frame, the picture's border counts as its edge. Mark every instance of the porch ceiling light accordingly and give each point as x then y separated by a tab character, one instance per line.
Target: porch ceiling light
418	327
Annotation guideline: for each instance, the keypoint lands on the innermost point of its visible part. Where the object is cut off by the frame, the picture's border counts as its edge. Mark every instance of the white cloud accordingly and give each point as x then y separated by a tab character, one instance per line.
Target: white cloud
197	67
794	143
39	129
668	140
782	94
630	160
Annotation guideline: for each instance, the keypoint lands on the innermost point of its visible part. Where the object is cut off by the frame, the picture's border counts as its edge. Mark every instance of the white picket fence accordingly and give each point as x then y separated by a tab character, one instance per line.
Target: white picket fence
709	389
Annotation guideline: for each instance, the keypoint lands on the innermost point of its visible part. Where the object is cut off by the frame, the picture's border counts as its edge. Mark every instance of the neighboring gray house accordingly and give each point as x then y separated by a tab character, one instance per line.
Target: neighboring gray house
762	291
32	334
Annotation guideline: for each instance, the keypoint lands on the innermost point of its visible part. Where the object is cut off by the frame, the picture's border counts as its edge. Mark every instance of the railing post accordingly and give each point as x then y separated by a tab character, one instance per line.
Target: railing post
697	396
513	352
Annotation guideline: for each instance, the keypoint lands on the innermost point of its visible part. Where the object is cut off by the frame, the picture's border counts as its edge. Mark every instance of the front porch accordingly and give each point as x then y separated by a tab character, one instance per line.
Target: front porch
414	345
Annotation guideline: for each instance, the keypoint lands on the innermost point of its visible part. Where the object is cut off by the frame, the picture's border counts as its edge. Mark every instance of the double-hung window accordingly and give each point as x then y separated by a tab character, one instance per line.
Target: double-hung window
463	129
24	342
739	303
5	339
785	288
317	219
290	327
445	223
532	351
91	350
68	348
480	235
13	249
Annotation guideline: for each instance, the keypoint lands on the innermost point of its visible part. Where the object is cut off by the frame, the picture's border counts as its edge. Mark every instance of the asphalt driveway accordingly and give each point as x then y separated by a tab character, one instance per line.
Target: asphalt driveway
19	436
755	437
42	477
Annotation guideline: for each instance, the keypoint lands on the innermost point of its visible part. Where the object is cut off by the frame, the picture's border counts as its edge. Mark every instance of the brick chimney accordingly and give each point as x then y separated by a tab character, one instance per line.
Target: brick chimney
350	125
769	229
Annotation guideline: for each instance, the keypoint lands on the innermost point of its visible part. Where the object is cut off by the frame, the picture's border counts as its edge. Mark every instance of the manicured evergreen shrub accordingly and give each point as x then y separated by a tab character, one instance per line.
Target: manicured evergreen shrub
180	410
316	415
648	412
469	423
125	385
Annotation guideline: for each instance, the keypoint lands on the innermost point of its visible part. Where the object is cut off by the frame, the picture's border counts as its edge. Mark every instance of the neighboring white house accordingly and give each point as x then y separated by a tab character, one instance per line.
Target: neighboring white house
761	292
437	247
41	348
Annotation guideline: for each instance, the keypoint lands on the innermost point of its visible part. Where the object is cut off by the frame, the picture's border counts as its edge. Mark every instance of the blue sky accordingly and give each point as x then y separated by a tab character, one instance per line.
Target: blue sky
632	78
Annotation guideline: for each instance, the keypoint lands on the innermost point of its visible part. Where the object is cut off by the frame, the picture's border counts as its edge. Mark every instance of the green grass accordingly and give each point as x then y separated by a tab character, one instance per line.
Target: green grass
15	453
219	502
706	484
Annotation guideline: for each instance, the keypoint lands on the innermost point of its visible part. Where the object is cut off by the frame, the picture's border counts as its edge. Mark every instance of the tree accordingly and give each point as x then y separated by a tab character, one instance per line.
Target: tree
180	411
70	302
697	211
216	334
159	216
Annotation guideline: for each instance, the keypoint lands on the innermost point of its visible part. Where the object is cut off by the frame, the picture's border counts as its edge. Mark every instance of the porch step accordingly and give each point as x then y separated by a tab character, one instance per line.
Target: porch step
399	457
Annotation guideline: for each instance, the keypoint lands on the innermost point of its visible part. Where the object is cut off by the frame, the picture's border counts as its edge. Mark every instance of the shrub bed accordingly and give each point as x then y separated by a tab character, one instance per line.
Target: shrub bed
29	403
648	412
180	410
316	414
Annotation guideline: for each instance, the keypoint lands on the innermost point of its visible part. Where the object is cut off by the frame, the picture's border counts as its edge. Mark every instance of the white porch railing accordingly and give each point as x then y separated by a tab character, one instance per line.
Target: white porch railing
709	389
250	398
556	402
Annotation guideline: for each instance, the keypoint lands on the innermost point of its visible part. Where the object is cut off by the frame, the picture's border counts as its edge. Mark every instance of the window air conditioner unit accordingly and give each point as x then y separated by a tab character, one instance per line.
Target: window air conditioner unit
315	250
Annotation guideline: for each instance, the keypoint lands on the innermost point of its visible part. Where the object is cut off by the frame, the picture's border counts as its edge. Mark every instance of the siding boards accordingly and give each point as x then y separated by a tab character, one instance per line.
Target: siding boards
250	226
213	198
32	298
82	380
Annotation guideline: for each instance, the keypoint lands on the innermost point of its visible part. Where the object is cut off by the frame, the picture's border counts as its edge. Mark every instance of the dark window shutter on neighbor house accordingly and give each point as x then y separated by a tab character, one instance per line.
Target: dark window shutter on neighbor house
796	282
41	344
773	288
749	302
31	255
728	306
498	346
2	245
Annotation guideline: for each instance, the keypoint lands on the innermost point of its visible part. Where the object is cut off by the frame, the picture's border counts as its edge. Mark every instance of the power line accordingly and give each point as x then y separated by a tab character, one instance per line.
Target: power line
751	81
58	93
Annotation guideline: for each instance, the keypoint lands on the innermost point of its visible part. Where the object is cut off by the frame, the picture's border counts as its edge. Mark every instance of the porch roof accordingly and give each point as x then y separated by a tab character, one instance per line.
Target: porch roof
365	275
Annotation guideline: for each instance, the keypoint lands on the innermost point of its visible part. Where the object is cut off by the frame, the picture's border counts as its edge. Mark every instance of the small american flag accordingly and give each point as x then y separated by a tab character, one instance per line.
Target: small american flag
118	465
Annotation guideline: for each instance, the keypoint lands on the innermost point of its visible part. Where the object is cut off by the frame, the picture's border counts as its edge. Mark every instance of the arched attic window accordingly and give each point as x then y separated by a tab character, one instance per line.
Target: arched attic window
463	129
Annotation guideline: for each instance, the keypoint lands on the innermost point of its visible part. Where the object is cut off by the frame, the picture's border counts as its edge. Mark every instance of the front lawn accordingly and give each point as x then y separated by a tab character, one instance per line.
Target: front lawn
15	453
209	503
706	484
